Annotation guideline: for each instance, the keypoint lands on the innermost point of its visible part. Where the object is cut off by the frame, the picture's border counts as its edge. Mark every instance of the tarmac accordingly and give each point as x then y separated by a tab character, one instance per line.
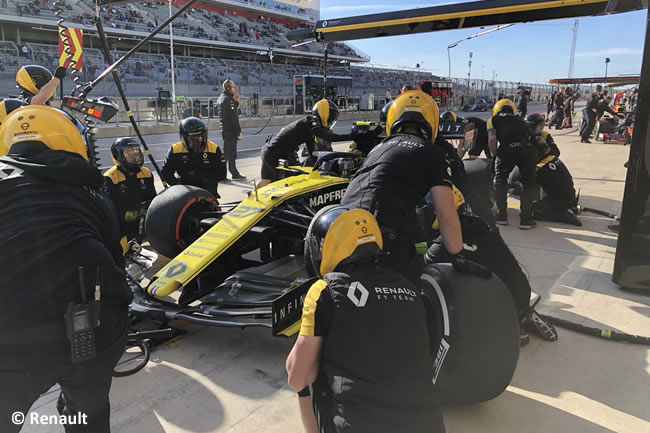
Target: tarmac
215	380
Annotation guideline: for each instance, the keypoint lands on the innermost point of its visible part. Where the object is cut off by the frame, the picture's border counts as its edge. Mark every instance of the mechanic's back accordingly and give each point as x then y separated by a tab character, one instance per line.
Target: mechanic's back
370	374
53	220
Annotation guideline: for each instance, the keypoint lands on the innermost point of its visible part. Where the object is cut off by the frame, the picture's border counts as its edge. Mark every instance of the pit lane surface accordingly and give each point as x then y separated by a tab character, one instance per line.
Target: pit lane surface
216	380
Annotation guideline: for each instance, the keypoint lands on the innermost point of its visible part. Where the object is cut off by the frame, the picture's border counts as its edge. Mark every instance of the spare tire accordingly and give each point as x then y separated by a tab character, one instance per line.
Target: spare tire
173	218
474	333
478	190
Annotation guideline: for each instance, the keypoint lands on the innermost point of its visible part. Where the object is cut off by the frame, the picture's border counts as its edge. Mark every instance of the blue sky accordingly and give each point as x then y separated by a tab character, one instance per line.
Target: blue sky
532	52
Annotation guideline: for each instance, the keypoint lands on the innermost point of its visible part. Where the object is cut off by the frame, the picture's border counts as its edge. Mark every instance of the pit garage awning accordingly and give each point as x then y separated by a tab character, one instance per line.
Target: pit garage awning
460	15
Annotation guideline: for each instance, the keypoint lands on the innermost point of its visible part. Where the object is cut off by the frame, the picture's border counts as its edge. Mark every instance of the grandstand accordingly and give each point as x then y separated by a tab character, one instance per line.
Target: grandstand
244	40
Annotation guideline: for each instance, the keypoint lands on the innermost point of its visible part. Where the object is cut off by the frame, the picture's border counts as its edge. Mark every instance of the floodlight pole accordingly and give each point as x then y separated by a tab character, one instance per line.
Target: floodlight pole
171	50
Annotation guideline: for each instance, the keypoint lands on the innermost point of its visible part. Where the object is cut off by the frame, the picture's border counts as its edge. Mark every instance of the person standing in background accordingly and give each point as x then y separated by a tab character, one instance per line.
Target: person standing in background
228	104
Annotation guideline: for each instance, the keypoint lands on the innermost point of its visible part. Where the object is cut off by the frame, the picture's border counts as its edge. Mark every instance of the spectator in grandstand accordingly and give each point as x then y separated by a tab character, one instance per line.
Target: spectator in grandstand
228	106
37	84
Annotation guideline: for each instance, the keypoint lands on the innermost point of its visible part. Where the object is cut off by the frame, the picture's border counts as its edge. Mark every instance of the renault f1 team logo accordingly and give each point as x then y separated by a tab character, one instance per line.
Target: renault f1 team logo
358	294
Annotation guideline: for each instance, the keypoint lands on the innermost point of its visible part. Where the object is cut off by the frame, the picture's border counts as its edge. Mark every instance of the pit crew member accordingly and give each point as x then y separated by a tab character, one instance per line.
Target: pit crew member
228	104
396	176
37	84
55	220
511	132
194	160
350	356
481	142
286	142
130	186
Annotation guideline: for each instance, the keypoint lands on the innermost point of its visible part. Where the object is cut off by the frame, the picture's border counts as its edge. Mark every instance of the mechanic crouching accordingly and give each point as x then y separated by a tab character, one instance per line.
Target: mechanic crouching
64	310
396	176
195	160
285	143
365	373
130	186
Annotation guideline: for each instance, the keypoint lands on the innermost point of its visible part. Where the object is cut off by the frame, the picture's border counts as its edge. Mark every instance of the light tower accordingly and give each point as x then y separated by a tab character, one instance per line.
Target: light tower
573	48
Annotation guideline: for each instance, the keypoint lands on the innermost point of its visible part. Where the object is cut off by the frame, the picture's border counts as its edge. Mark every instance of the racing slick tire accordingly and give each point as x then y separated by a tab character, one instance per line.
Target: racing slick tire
172	221
474	331
478	191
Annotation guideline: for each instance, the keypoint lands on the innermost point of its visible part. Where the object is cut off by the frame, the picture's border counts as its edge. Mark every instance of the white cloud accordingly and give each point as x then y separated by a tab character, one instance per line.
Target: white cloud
610	52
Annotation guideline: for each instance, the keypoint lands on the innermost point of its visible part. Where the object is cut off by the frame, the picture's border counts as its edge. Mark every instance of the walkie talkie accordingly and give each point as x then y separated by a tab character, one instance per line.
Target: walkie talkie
80	321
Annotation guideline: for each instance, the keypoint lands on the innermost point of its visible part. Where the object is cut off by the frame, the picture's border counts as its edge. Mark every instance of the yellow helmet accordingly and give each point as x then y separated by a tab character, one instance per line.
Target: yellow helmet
414	108
504	104
459	200
341	234
31	78
35	127
9	105
326	111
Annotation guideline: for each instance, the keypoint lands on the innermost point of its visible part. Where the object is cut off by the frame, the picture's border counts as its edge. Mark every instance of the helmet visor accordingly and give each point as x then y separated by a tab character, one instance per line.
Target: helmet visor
133	155
196	142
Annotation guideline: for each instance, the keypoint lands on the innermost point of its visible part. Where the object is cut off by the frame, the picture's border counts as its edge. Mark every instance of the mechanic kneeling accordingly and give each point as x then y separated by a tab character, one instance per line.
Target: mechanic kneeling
363	347
130	186
396	176
55	220
196	160
285	143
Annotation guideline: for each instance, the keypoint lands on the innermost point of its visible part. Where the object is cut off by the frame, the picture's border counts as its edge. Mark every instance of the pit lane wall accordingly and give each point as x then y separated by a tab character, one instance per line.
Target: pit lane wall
124	129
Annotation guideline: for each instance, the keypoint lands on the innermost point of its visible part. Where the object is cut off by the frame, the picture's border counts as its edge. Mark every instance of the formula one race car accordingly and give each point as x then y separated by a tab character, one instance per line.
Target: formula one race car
242	265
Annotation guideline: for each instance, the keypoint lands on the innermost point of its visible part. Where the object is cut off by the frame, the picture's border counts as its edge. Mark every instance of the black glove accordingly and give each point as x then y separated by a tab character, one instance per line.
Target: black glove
60	73
461	264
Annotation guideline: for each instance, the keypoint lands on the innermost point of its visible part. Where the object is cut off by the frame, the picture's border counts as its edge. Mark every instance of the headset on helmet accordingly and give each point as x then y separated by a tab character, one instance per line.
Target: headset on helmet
448	117
194	134
127	154
31	78
36	128
9	105
535	123
342	235
413	109
326	111
504	106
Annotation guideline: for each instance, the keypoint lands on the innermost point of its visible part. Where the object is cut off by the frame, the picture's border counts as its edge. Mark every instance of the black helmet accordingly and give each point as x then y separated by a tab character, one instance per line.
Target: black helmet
9	105
535	123
341	234
31	78
383	114
448	117
194	134
127	154
326	111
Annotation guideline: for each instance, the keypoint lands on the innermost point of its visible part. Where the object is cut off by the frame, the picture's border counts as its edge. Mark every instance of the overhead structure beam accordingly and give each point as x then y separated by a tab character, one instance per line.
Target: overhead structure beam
460	15
594	80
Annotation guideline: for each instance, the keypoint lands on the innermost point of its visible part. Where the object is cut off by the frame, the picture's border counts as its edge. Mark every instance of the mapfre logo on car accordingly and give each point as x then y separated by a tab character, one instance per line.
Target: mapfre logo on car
329	197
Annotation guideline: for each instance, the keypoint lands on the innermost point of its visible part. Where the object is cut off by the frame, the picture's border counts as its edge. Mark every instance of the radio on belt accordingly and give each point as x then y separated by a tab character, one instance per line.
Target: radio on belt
82	319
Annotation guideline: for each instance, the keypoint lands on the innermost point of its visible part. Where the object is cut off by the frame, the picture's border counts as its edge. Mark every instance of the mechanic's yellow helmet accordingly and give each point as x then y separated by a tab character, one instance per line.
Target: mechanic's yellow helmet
9	105
31	78
341	234
413	108
459	200
326	111
37	127
504	104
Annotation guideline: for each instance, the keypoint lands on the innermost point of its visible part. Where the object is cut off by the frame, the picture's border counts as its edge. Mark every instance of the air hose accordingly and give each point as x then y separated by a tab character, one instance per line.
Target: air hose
607	334
275	107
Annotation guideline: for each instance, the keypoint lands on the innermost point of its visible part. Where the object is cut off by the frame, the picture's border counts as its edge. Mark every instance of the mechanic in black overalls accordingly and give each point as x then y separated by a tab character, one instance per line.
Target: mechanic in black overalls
589	115
286	142
522	108
228	105
37	84
53	220
396	176
511	132
480	144
196	160
553	176
363	347
130	186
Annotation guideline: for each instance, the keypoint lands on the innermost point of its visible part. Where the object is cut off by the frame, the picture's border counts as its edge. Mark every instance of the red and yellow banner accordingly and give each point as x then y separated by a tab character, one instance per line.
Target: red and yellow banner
75	40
